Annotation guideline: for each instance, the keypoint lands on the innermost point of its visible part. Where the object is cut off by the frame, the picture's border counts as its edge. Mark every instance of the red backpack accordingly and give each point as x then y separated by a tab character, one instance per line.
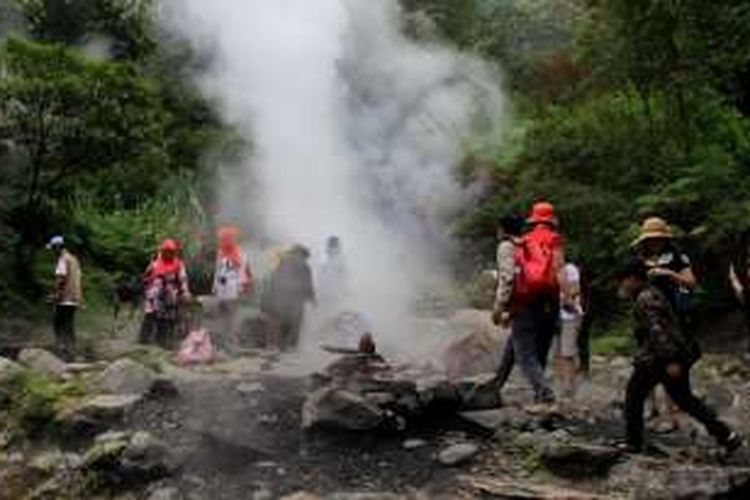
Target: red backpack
535	264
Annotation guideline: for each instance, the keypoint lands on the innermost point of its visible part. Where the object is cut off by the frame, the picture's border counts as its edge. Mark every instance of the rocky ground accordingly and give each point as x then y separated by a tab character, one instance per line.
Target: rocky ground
137	426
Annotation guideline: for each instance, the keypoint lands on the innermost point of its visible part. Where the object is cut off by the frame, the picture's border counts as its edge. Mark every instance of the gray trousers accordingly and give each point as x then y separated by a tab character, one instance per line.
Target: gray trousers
533	328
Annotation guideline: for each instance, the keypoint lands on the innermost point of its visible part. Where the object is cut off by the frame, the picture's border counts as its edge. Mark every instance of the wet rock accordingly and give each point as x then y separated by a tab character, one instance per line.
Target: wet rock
708	482
570	459
381	399
457	454
43	362
126	376
332	408
163	388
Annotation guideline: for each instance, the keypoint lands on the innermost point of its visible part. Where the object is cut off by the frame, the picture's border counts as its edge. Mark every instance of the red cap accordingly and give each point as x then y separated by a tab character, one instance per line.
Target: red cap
543	211
168	245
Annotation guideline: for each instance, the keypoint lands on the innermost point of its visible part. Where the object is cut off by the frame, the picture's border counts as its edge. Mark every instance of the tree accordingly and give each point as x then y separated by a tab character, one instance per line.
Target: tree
70	117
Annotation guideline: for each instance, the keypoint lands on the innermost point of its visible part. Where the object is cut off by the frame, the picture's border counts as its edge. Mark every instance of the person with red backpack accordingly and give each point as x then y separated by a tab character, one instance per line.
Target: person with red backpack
535	301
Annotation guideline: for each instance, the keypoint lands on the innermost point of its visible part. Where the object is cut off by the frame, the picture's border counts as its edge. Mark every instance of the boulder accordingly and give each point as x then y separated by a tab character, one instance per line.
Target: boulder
438	393
55	461
334	408
692	482
119	458
96	414
577	460
457	454
43	362
126	376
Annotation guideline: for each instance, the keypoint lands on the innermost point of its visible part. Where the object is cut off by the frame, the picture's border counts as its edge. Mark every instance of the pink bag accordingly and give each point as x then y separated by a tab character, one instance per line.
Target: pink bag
196	348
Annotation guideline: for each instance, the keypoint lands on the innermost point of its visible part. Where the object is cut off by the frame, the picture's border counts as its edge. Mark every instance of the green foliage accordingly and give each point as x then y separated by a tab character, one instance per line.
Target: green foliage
35	400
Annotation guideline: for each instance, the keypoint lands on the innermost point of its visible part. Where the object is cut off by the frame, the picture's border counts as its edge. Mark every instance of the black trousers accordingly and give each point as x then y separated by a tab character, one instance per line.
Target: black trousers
159	331
645	377
64	327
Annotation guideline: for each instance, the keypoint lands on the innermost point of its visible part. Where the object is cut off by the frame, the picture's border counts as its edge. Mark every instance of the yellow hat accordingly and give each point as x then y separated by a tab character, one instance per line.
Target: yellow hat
653	228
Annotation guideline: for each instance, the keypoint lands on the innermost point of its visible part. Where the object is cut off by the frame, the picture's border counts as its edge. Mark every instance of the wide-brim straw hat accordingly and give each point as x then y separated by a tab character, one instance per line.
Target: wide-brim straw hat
653	228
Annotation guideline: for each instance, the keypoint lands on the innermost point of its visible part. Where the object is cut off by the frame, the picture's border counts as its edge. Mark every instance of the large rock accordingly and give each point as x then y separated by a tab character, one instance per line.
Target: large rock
43	362
96	414
697	483
494	420
121	458
126	376
333	408
569	459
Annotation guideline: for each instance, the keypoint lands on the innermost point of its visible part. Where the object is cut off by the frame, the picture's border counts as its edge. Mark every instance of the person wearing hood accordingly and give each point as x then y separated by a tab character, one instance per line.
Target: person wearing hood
332	277
166	287
290	287
232	279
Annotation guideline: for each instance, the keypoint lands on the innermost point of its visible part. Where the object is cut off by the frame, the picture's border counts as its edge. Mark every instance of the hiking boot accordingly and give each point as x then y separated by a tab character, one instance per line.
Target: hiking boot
733	442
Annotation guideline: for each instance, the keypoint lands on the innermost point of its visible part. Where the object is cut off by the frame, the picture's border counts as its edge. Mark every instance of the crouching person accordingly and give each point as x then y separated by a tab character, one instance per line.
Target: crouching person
665	355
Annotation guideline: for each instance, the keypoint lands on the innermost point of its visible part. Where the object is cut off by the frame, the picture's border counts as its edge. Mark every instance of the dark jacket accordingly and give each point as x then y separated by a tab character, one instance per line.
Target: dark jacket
289	288
660	336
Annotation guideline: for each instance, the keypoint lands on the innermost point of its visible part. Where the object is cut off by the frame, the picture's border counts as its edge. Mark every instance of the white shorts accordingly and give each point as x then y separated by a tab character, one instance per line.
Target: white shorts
566	343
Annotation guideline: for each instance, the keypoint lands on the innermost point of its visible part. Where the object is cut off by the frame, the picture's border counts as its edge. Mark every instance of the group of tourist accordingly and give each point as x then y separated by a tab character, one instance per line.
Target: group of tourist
539	297
284	293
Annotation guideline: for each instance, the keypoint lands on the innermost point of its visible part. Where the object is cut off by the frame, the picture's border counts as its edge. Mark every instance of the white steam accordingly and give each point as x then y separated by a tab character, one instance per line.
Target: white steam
356	132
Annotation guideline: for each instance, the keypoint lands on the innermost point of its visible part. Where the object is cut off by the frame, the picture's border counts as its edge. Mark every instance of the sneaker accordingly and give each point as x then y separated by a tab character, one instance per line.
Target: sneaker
733	442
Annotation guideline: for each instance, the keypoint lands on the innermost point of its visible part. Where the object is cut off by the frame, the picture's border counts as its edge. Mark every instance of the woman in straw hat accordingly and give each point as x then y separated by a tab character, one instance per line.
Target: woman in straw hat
666	263
669	270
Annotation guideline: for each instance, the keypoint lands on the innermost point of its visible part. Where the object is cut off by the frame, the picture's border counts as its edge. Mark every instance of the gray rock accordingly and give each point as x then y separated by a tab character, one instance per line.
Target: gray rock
249	388
165	493
494	420
479	392
126	376
43	362
708	482
9	370
333	408
96	415
569	459
54	461
118	457
438	393
457	454
413	444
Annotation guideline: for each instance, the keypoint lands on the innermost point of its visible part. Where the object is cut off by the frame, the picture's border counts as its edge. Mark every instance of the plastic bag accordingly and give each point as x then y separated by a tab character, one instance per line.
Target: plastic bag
196	348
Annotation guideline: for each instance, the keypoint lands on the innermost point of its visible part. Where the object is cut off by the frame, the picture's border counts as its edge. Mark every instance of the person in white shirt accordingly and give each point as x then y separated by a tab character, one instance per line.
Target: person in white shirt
66	297
232	279
565	346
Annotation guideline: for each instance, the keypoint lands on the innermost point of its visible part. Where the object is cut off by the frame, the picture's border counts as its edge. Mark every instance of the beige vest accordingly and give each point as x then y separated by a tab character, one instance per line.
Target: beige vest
72	293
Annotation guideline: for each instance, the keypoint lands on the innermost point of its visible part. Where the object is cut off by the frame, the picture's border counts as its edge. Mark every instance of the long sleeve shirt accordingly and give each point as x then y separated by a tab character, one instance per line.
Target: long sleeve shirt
658	333
506	272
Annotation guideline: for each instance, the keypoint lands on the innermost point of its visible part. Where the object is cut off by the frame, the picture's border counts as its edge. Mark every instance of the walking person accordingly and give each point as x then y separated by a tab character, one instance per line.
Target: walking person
288	290
66	296
670	270
665	355
233	278
166	288
535	300
565	344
